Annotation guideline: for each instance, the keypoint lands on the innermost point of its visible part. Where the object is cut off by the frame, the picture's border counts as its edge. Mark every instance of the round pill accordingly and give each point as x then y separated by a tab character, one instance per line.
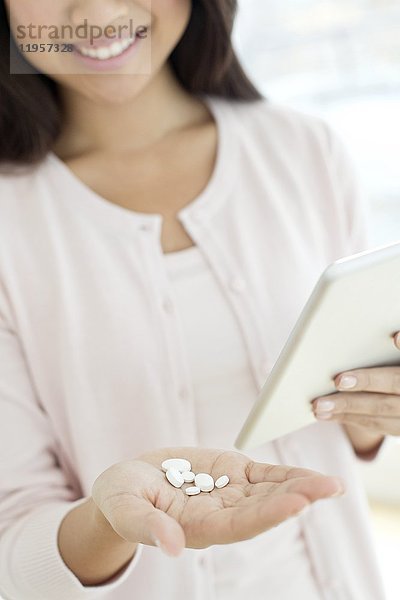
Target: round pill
222	481
204	481
188	476
175	477
192	491
180	464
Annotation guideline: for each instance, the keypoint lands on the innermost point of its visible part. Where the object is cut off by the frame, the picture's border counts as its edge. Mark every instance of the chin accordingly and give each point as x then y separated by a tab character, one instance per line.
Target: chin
113	90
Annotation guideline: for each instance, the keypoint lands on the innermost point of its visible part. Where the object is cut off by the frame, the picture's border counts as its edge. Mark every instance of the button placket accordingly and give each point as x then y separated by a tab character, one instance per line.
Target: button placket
175	347
235	287
171	347
180	375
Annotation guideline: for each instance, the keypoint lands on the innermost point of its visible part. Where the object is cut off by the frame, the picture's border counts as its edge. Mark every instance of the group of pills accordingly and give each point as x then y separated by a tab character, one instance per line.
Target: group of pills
179	471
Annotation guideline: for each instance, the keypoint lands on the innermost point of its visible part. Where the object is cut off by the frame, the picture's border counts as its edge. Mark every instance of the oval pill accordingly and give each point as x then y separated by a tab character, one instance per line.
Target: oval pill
188	476
192	491
180	464
175	477
222	481
204	481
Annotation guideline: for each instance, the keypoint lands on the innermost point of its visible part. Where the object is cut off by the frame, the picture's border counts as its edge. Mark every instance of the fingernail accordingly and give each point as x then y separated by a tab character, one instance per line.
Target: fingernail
157	542
341	490
397	340
162	547
325	406
346	382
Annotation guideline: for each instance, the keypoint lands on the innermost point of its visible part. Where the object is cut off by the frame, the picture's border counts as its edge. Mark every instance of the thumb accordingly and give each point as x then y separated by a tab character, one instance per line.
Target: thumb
139	521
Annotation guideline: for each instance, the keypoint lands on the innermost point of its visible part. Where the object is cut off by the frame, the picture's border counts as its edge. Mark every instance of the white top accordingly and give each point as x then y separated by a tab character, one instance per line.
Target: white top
224	390
94	367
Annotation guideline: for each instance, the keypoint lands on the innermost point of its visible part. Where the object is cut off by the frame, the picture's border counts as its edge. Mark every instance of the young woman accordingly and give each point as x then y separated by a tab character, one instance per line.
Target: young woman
161	226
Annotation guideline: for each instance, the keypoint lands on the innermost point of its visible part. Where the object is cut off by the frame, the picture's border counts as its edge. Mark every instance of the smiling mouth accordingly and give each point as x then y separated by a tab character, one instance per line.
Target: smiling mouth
105	52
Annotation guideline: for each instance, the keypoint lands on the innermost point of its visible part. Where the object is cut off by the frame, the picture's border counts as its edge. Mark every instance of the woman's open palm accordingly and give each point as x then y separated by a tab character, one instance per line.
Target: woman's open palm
142	506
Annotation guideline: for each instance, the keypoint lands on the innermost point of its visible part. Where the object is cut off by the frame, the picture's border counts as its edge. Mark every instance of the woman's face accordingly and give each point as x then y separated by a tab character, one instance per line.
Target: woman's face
129	38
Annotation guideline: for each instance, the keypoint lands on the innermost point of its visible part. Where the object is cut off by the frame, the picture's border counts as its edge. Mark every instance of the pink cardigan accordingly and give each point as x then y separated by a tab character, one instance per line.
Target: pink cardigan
92	370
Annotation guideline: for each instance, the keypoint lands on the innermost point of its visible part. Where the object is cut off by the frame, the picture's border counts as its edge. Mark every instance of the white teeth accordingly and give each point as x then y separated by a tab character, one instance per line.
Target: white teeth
105	52
102	53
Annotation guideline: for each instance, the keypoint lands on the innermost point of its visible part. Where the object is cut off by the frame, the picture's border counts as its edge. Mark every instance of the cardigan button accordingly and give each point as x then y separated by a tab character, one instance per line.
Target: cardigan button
237	284
146	227
184	393
202	561
168	306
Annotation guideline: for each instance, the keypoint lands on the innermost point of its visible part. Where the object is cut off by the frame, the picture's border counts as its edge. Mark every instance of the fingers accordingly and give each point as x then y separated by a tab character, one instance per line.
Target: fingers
314	488
260	472
260	513
358	403
385	380
250	520
383	425
311	487
137	520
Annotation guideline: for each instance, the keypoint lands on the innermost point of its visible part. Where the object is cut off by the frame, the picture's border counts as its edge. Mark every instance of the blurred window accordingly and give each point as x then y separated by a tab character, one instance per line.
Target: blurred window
338	59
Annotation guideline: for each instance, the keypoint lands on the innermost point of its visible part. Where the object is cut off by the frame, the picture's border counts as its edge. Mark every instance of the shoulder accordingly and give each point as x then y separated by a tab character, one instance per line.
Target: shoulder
19	185
269	124
12	174
281	135
23	193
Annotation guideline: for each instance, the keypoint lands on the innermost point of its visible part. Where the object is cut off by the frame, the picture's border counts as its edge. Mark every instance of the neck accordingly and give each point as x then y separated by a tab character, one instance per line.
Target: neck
103	126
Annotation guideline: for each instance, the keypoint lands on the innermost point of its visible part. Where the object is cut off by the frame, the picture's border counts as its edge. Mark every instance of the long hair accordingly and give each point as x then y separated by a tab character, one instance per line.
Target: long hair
30	107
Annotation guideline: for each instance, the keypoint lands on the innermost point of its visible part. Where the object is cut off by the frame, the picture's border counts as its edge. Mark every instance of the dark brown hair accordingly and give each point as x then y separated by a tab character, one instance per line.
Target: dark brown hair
30	110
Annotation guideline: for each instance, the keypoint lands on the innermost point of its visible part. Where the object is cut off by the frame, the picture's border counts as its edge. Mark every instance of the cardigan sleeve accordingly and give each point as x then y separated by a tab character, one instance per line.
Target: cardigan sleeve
354	203
352	197
35	493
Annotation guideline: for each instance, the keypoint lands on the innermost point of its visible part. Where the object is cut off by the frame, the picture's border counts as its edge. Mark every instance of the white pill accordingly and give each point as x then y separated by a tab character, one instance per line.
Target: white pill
175	477
204	481
222	481
188	476
192	491
180	464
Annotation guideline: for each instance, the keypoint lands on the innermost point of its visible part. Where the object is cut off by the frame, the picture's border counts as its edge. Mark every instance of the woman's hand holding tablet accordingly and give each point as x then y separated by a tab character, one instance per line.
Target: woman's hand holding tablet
367	400
345	329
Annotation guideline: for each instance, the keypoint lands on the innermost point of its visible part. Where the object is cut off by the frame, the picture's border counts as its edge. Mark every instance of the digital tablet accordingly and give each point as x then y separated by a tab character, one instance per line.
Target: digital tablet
347	323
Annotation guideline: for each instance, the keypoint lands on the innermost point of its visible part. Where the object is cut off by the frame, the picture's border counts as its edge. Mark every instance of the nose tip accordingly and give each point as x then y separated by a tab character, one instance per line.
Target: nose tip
97	12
